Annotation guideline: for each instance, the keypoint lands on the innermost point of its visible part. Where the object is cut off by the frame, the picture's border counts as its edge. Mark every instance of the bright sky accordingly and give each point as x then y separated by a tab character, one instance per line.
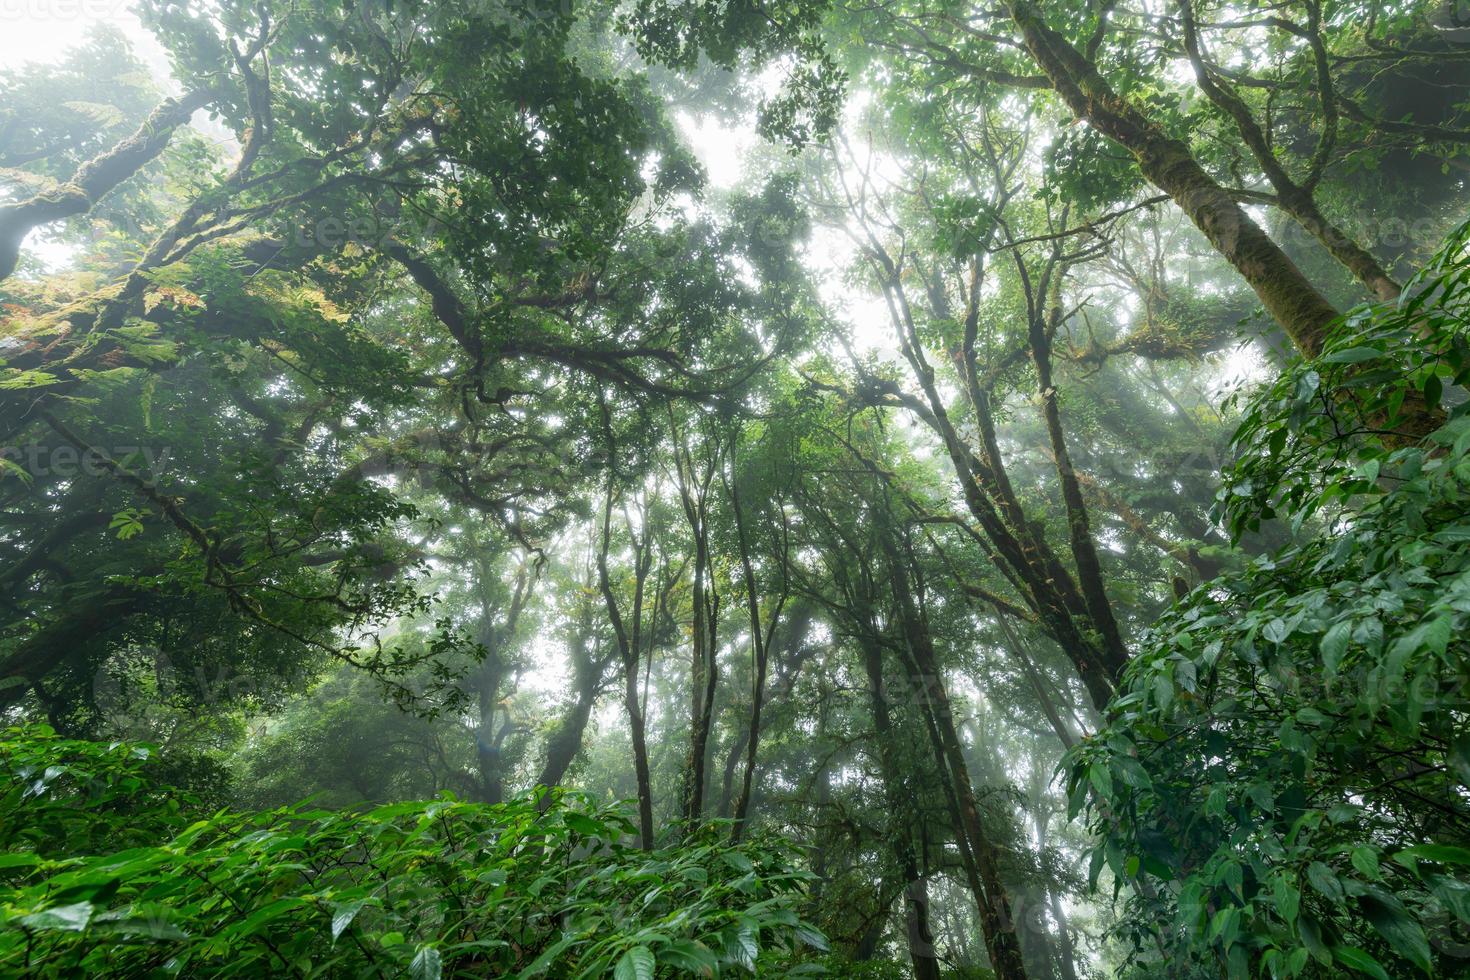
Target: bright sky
42	30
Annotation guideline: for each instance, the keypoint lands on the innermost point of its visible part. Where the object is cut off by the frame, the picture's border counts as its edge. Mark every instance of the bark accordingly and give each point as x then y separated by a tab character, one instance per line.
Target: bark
95	178
488	786
629	653
733	755
487	733
1024	556
704	665
50	647
1036	945
900	811
43	553
918	931
866	946
821	796
640	755
1066	953
704	675
564	743
1168	163
1188	557
1084	551
1294	198
761	637
497	627
487	746
588	670
795	629
993	902
1038	684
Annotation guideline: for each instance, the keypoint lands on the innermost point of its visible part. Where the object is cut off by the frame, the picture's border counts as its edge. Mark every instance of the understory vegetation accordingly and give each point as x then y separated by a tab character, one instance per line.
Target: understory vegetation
547	886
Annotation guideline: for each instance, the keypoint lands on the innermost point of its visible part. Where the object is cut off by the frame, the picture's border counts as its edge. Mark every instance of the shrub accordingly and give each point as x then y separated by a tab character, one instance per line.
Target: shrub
1283	780
545	885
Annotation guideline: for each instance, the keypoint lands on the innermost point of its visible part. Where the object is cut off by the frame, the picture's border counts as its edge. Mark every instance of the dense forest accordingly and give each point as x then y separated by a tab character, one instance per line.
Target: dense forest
514	488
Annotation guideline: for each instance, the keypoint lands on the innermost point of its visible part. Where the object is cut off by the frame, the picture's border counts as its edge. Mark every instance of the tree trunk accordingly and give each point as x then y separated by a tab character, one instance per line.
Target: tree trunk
760	640
918	930
694	491
640	753
1020	548
564	743
704	677
993	903
1038	684
1287	294
588	670
902	816
629	653
1084	551
727	781
487	745
1066	954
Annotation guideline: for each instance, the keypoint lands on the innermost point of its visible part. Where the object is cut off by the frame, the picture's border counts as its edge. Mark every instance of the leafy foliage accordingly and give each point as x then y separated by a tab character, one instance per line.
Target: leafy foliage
540	886
1283	782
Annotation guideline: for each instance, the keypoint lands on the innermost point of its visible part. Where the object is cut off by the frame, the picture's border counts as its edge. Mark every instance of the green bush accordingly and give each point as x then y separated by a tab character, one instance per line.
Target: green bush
1283	780
64	797
546	886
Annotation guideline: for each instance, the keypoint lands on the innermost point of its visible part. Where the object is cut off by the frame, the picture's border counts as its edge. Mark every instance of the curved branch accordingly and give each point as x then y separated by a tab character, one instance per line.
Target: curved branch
96	177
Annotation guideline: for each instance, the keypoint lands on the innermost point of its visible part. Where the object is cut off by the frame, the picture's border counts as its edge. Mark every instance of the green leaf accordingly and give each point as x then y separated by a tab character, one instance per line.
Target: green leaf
1433	391
1224	927
636	964
812	937
1355	959
70	918
1397	926
127	523
1432	634
1438	853
690	956
1163	690
582	823
427	964
14	379
151	922
1365	859
1311	936
742	947
1132	773
1352	355
1287	900
19	860
343	917
9	467
548	956
1335	644
738	861
1322	879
